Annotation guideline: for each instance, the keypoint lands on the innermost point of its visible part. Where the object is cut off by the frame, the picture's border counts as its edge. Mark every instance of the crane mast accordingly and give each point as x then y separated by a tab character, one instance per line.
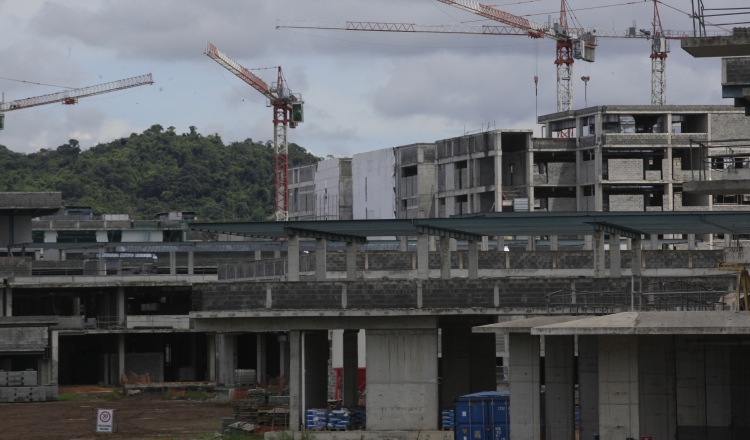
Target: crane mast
287	113
659	50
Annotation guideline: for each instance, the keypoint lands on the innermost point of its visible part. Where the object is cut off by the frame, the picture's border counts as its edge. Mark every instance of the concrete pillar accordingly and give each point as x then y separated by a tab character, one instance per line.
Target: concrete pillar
295	381
121	319
485	246
423	257
690	373
8	306
284	356
191	262
63	254
654	242
445	258
402	380
615	263
403	244
588	386
292	258
473	255
260	357
691	242
315	372
525	422
598	246
618	387
351	261
351	367
54	356
637	259
727	240
120	357
657	393
588	242
173	263
226	359
211	357
500	243
718	381
320	259
467	359
257	255
76	300
553	242
433	243
559	388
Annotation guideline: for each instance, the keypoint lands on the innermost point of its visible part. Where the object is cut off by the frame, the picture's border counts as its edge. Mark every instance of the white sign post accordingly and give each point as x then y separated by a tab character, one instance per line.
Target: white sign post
104	420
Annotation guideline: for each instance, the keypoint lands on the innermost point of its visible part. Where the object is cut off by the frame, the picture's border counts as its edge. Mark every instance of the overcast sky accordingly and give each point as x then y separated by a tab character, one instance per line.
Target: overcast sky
363	91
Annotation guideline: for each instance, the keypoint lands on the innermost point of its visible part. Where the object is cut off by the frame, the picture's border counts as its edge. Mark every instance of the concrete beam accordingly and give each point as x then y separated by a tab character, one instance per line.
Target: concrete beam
277	323
714	47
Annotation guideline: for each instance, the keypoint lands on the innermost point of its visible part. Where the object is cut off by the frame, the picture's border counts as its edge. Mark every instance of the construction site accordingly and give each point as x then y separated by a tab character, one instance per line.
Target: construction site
589	282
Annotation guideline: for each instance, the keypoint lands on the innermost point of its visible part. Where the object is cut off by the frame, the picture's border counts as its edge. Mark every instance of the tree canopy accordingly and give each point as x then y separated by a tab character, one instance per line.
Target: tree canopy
156	171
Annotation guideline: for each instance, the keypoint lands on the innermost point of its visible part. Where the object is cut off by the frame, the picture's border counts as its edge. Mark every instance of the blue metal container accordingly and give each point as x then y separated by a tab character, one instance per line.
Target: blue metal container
482	416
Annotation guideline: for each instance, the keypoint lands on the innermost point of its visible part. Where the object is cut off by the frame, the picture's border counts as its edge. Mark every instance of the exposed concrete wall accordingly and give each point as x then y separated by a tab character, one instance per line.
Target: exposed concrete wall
20	339
625	169
374	184
402	387
626	202
618	387
559	388
657	389
690	373
588	386
524	372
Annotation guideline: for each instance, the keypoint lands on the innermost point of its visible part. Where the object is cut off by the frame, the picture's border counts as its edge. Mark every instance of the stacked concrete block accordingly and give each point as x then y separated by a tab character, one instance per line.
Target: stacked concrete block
653	175
21	386
626	202
561	204
625	169
562	173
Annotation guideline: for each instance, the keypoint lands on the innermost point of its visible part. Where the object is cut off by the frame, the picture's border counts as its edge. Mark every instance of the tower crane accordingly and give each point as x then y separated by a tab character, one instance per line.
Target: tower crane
287	112
70	97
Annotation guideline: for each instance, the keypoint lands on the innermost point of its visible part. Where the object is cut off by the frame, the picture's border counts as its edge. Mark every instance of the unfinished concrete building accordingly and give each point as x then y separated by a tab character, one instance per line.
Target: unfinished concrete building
469	172
321	191
415	185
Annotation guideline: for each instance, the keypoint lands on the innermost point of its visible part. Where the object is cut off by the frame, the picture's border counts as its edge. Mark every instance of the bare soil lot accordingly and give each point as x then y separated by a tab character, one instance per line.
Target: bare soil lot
142	416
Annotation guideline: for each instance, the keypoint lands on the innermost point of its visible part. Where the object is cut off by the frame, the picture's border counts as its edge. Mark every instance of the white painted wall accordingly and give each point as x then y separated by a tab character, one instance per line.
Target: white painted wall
374	183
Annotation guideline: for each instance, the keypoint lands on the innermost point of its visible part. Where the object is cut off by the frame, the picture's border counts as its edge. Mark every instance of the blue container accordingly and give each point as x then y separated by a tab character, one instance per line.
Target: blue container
480	432
482	416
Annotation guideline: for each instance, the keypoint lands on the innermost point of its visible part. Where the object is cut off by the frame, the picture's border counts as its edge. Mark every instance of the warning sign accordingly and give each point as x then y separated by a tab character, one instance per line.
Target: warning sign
104	420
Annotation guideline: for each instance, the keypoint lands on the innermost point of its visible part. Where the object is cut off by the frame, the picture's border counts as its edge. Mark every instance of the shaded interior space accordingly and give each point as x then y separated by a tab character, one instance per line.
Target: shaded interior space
554	168
632	197
555	199
247	354
567	126
150	357
10	361
158	301
644	123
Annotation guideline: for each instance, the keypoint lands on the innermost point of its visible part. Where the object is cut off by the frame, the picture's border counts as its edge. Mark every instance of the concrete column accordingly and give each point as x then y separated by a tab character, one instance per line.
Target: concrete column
173	263
351	261
423	257
618	387
402	380
63	254
284	356
211	357
588	386
637	257
260	357
467	359
485	246
315	372
615	263
403	244
54	356
553	242
121	319
8	293
727	240
433	243
295	381
320	259
76	300
598	246
292	258
120	357
657	393
351	367
691	242
559	372
690	373
473	255
257	255
226	362
718	381
588	242
654	242
445	258
525	422
500	243
191	262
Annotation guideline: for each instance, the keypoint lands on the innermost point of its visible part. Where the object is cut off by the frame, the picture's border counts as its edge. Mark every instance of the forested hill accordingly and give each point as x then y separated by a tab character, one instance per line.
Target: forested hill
156	171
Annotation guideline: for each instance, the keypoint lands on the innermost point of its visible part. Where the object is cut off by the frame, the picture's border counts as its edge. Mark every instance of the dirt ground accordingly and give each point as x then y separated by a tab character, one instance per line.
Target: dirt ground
142	416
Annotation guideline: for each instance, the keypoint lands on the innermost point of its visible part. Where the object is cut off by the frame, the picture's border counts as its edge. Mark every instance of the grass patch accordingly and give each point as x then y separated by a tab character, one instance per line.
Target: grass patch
186	395
73	397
